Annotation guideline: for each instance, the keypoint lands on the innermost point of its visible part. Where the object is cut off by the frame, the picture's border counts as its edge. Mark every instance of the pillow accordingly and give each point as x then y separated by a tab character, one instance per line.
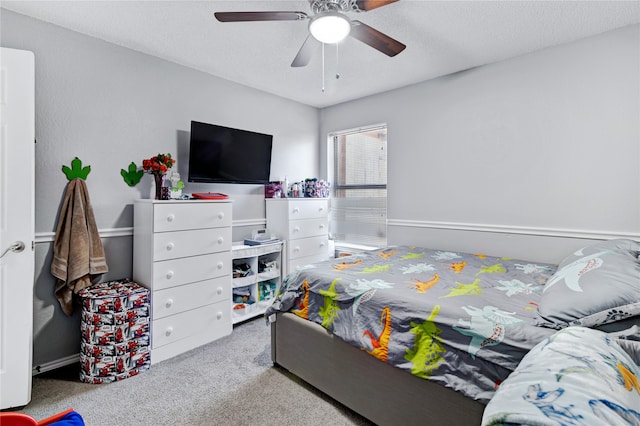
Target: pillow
596	285
578	376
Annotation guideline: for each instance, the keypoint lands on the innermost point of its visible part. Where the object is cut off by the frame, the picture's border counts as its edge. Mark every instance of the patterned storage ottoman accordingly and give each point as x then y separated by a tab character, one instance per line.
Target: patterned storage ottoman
115	331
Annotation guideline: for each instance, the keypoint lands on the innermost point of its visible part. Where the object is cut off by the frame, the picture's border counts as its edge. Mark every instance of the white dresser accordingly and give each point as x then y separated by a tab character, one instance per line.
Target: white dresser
182	253
304	224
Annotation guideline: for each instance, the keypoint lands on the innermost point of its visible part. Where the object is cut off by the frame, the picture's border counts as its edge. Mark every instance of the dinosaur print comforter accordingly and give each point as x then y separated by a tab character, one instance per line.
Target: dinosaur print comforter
463	320
578	376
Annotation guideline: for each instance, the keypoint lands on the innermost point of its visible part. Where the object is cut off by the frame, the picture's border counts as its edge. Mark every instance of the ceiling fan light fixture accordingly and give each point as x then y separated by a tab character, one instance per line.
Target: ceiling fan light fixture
330	27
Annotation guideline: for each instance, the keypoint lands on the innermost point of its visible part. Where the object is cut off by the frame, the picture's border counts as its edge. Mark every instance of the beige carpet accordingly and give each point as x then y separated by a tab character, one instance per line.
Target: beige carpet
228	382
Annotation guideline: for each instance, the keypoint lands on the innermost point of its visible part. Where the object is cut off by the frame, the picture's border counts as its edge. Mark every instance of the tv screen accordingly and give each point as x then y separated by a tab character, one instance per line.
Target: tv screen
225	155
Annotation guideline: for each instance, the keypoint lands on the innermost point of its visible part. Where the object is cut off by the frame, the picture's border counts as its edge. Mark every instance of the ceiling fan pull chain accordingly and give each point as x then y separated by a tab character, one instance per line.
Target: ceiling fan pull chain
322	67
337	62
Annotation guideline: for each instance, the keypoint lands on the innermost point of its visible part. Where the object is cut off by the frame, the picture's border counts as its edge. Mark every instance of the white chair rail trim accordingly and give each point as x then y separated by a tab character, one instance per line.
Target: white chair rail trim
521	230
49	237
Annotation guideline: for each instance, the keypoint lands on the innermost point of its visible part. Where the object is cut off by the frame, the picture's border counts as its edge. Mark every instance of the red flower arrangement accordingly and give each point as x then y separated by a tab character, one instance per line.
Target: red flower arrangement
159	164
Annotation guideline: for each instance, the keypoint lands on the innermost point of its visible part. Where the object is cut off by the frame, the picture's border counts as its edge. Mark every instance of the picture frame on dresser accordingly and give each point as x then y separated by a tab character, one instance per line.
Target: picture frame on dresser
182	254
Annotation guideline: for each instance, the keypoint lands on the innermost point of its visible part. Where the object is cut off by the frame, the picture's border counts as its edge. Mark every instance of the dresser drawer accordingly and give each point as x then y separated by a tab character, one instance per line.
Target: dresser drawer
308	228
308	209
177	217
171	245
308	246
204	320
185	297
174	272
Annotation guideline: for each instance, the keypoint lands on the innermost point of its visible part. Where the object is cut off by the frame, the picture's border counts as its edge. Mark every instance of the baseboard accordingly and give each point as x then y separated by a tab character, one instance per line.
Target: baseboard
52	365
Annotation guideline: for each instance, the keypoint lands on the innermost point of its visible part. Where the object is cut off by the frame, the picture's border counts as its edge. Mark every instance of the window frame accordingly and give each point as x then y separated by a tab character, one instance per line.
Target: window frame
333	140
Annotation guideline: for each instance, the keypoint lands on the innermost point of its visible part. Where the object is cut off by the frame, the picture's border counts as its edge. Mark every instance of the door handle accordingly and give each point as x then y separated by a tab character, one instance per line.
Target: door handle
16	247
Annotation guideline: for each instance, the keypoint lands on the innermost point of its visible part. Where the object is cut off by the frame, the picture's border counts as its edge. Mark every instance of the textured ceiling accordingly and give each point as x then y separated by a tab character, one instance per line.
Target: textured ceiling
442	37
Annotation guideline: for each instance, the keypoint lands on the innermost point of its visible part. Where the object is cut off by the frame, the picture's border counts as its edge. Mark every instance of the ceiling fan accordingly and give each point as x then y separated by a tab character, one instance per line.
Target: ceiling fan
328	24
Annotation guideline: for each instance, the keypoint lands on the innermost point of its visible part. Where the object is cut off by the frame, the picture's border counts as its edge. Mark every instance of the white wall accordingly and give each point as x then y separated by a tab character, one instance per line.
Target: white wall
543	144
109	106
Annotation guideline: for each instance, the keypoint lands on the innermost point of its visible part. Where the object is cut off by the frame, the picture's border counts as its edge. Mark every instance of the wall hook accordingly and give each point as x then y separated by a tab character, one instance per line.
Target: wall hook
76	170
132	176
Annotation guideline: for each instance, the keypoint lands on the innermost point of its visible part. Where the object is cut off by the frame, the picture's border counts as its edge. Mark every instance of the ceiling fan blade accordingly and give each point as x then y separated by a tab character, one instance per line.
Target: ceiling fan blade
259	16
374	38
305	53
365	5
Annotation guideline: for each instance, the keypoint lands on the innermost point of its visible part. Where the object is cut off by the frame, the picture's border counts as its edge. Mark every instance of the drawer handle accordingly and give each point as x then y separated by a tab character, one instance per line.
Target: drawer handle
171	217
220	265
168	331
321	209
221	215
321	244
296	249
168	303
219	315
220	240
296	210
170	246
296	229
219	290
169	275
322	226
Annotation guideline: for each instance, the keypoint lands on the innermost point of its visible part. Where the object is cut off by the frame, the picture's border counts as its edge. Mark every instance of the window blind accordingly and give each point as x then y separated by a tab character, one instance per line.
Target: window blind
359	203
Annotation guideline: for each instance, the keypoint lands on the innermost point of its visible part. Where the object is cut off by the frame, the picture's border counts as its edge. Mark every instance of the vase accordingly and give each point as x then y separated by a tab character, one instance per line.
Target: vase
159	179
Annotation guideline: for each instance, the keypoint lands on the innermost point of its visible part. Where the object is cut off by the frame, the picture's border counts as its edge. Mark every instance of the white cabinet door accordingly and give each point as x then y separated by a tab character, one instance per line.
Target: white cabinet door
17	156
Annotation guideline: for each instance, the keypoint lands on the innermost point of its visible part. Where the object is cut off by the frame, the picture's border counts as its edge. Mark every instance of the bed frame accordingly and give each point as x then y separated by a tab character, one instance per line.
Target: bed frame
381	393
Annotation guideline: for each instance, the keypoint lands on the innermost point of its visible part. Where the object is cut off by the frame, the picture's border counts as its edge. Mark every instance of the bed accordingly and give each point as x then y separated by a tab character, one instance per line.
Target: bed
411	335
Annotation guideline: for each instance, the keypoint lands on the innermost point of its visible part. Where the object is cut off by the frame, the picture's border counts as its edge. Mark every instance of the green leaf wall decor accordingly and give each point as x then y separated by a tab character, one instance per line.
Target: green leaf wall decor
76	170
133	175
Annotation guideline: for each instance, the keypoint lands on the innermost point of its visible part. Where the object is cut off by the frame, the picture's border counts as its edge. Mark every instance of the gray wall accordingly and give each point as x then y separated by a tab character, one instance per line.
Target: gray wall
507	156
109	106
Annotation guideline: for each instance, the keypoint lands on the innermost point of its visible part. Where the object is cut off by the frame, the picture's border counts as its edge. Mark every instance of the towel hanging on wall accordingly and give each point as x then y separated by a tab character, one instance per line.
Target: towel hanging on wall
78	255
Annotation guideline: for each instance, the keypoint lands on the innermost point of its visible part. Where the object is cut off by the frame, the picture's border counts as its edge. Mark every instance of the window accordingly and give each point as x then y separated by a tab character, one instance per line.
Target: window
359	203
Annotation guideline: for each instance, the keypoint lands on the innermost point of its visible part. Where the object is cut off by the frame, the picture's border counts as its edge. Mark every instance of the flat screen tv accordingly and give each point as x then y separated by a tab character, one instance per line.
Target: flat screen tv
219	154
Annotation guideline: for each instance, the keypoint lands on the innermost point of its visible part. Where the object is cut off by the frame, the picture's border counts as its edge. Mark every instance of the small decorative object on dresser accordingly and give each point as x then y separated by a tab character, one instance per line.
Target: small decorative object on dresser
158	166
304	224
273	190
176	186
182	253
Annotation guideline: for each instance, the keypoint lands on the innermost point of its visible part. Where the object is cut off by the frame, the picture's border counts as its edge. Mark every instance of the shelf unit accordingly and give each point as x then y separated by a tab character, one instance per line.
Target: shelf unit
257	289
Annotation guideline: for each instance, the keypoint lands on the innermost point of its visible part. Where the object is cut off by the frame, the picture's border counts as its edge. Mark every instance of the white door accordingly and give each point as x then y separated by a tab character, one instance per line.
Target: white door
17	158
